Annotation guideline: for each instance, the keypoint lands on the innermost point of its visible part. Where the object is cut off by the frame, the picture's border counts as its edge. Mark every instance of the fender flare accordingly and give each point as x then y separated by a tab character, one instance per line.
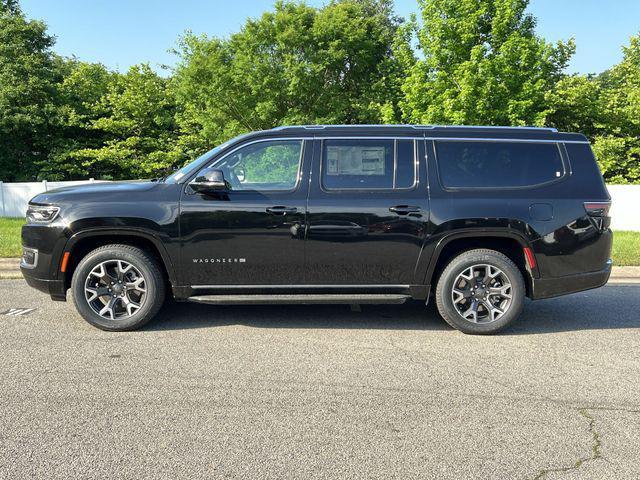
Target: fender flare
128	232
470	233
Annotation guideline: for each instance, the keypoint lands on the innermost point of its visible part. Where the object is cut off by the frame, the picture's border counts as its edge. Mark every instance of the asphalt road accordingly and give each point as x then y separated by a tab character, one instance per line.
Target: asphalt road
321	392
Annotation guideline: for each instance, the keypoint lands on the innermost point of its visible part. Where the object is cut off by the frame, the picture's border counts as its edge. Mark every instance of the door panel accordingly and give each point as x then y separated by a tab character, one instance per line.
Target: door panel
249	236
360	229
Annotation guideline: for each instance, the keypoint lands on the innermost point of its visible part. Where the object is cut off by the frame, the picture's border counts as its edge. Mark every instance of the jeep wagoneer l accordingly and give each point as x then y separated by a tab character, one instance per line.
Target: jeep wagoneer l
474	218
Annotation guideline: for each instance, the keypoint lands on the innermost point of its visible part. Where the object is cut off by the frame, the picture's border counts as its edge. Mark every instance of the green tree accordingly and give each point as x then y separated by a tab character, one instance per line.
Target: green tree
351	61
295	65
131	119
617	147
575	105
79	97
28	74
606	108
482	64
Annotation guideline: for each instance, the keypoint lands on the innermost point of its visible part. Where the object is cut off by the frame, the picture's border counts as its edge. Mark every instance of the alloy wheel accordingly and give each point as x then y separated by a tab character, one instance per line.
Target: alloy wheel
115	289
482	293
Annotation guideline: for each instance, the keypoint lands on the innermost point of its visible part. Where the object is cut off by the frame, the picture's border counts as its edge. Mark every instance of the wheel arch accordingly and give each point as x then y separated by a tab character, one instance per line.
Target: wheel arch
80	244
511	244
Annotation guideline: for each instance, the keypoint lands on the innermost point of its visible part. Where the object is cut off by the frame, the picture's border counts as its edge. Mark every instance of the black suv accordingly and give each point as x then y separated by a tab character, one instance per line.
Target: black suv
478	217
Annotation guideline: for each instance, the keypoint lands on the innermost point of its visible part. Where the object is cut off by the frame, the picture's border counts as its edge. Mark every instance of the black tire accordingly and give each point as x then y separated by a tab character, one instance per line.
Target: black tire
462	263
154	285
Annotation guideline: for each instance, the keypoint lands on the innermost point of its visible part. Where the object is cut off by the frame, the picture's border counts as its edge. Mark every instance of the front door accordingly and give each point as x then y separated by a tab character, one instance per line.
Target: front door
367	213
254	235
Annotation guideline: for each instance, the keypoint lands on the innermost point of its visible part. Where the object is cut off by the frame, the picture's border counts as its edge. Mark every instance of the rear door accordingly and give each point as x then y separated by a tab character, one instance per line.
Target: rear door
368	211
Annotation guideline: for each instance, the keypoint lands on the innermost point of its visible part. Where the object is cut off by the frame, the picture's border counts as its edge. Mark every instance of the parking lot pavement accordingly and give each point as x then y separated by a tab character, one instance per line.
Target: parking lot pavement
321	392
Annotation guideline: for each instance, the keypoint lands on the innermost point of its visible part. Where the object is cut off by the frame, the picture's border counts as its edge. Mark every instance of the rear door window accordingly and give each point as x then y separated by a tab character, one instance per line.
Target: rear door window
491	164
365	164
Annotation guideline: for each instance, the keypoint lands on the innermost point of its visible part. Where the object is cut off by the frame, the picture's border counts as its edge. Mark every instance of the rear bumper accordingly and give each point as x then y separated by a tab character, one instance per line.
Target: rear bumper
54	288
556	286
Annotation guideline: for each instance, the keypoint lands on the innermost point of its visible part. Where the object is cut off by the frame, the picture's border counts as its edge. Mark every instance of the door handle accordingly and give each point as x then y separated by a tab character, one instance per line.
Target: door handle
404	209
281	210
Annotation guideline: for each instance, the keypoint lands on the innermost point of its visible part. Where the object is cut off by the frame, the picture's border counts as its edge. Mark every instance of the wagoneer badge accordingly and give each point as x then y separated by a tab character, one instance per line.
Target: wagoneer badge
219	260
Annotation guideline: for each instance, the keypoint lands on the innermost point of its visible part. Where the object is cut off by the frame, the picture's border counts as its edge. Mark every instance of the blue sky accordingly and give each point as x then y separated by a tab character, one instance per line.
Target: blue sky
121	33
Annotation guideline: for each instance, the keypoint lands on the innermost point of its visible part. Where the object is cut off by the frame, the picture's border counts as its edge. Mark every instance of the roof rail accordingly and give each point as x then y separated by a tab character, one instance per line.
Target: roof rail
499	127
322	127
416	127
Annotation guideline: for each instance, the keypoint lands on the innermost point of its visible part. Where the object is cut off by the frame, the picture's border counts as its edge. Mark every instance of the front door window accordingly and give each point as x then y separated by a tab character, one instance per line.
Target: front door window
264	166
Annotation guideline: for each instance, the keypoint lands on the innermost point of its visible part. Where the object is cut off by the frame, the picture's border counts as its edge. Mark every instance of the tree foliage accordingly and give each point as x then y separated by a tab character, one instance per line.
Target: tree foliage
134	120
79	94
29	73
350	61
617	145
605	107
295	65
482	64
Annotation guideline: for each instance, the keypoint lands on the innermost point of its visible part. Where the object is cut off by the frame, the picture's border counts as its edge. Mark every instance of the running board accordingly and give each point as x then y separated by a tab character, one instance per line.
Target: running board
300	299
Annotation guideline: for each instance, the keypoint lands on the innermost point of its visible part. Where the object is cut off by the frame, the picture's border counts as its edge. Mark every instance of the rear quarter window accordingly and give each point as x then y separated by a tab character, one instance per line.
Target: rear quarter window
490	164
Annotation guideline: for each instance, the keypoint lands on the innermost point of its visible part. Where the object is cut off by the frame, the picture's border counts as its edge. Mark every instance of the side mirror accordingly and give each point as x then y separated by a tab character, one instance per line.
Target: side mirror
209	180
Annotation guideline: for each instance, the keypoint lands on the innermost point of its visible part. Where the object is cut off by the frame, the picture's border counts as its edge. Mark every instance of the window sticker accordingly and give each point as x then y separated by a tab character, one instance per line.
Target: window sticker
357	160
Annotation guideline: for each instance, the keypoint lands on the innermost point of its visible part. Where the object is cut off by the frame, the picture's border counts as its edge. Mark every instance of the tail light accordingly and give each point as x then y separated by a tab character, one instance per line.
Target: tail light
597	209
599	214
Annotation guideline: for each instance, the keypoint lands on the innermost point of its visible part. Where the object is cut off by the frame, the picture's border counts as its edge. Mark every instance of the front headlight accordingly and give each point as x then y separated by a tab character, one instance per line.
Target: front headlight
42	213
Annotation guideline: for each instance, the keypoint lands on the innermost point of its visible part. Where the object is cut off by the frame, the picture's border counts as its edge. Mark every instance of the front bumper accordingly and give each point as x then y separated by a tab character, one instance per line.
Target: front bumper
54	288
43	245
556	286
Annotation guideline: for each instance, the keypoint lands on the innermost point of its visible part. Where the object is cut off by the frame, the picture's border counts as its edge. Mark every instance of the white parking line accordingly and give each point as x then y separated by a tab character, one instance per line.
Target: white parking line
17	311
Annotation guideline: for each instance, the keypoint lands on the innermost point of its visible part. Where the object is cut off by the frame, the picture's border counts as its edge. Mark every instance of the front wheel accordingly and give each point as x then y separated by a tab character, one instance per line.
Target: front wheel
480	292
118	287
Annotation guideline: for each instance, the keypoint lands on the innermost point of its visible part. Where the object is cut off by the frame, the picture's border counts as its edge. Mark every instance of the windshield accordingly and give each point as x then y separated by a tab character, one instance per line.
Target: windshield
179	174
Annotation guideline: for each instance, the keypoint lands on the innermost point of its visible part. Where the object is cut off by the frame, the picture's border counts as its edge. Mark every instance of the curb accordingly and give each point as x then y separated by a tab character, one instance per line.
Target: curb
625	275
10	268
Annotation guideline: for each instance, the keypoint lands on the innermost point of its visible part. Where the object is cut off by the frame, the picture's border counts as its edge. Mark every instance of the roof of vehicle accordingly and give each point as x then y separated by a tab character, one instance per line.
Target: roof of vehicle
436	131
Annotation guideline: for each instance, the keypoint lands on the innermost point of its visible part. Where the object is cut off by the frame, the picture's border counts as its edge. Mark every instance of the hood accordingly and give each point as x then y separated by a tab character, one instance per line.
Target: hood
90	191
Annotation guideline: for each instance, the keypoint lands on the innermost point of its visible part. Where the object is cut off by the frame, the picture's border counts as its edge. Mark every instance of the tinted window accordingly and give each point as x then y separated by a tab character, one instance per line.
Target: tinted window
497	164
193	165
405	164
367	164
270	165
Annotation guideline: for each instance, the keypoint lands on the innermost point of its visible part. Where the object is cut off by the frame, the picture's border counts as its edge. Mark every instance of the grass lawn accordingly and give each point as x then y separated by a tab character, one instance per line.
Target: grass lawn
10	237
626	248
626	245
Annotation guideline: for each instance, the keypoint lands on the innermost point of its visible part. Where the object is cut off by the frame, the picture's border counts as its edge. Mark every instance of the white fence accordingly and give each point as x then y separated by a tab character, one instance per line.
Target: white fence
15	196
625	207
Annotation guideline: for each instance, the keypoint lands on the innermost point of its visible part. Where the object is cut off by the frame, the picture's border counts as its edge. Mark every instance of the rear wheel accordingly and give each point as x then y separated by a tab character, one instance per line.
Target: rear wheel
480	292
118	287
